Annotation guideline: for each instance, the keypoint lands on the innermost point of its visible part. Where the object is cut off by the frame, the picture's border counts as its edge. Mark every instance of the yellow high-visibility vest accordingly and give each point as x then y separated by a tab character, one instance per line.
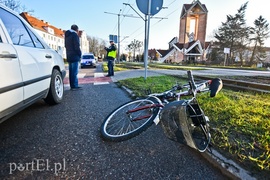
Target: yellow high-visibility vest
112	54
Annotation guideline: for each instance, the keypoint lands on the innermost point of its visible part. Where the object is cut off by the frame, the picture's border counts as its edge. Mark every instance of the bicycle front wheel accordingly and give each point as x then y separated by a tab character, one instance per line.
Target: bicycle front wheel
129	120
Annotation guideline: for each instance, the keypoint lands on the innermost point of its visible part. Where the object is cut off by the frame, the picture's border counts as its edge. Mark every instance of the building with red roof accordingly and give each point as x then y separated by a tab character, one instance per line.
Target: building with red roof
54	36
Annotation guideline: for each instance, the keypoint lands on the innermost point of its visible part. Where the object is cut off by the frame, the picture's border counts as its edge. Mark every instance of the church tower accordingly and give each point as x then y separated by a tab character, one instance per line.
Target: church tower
193	21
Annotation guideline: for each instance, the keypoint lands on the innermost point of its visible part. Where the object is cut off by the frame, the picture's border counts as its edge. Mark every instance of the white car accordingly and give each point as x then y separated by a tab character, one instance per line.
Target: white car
88	59
29	69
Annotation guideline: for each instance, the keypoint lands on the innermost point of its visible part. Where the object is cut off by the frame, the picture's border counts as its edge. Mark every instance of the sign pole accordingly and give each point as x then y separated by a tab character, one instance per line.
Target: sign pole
148	8
225	59
145	47
147	29
226	52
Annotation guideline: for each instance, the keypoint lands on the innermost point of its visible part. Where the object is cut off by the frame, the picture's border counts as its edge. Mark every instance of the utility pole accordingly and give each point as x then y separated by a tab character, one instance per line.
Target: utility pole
118	39
146	37
147	28
118	36
158	5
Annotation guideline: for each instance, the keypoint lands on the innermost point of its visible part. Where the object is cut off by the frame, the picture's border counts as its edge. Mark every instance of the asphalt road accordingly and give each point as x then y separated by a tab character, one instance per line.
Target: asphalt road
63	141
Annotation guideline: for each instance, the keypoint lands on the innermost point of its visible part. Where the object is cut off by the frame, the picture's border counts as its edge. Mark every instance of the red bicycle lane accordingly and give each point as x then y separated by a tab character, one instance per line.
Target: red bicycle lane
90	80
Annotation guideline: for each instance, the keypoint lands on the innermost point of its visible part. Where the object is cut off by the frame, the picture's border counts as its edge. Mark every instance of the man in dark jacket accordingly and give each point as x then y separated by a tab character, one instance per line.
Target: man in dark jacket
73	51
111	55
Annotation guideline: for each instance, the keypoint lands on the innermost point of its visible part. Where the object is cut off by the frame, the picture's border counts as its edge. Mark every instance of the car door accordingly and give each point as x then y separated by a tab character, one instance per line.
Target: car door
34	57
36	67
11	83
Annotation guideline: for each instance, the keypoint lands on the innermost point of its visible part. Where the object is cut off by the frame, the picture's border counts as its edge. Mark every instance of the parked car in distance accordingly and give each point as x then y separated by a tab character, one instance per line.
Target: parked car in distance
88	59
29	69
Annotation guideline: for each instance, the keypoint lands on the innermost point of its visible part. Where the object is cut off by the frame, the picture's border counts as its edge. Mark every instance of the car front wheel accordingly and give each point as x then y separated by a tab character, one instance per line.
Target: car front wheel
56	91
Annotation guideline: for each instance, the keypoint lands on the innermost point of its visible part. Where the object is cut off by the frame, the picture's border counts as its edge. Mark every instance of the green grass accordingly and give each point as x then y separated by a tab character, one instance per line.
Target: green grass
241	124
117	67
240	121
139	85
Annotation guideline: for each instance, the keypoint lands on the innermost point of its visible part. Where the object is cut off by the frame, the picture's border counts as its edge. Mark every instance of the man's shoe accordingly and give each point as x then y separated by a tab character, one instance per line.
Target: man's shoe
108	75
76	88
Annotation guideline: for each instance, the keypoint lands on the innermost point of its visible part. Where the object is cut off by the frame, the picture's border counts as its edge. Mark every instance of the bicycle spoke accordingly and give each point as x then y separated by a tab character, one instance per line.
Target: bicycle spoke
129	118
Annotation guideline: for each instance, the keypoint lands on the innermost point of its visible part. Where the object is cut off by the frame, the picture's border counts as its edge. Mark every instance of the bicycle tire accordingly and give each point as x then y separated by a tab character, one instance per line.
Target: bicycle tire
198	126
186	123
120	125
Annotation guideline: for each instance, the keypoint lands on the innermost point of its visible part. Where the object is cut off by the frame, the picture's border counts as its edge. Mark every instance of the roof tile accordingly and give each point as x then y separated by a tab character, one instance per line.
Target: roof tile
41	24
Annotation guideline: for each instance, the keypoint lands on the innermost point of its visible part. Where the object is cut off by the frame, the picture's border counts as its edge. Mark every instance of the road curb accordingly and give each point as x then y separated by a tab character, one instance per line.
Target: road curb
128	91
228	167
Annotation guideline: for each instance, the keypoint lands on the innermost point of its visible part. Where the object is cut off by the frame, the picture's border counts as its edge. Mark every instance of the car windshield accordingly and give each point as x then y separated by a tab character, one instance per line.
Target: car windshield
87	57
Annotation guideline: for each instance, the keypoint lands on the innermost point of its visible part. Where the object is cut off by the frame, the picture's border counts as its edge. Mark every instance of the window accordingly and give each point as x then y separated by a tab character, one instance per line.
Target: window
1	40
37	42
17	31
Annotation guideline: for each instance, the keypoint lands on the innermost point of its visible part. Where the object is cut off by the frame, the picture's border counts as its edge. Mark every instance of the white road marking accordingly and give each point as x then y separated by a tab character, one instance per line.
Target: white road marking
98	75
80	75
101	83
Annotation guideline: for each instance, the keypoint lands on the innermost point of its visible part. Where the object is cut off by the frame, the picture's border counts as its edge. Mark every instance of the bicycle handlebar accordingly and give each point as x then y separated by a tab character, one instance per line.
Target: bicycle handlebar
214	86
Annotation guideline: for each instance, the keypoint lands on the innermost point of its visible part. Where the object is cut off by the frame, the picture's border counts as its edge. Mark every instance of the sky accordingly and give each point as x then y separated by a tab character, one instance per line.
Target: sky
99	18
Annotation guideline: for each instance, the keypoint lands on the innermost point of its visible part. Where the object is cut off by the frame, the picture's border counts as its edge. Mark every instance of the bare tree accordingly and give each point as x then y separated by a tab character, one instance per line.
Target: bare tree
15	6
96	46
12	4
129	49
135	46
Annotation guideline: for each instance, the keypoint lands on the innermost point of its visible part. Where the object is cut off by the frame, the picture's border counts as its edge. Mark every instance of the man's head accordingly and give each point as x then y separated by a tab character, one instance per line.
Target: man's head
75	27
111	42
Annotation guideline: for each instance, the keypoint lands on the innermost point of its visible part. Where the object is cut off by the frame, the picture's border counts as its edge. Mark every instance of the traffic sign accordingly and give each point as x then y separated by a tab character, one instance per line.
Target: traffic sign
113	38
156	6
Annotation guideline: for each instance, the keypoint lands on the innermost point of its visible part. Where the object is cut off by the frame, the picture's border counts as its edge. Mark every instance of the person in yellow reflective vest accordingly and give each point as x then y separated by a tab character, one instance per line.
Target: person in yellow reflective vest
111	55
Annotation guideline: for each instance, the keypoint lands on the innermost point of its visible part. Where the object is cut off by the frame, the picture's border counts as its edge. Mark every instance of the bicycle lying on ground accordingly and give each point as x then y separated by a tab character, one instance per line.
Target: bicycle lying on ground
182	120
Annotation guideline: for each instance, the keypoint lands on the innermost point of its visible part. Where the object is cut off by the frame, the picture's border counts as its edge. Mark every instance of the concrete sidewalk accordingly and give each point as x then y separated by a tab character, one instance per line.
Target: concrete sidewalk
120	75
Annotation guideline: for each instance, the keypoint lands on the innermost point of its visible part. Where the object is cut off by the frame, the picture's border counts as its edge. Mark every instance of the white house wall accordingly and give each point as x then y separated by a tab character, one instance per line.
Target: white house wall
54	42
84	42
58	43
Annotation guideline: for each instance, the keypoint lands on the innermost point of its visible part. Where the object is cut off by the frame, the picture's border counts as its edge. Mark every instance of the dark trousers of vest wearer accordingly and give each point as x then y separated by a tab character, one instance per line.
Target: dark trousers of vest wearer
110	67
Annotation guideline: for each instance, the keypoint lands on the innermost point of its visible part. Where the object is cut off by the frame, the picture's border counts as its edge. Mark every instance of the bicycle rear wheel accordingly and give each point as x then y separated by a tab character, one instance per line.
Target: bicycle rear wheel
129	119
